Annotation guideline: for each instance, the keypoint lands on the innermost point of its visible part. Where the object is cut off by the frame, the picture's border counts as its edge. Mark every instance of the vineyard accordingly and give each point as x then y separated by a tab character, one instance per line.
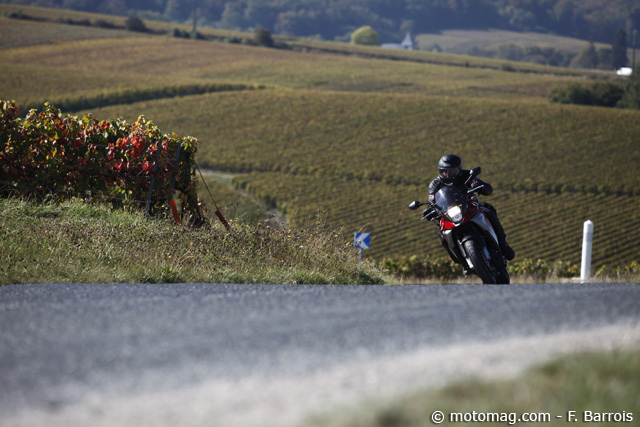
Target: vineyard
551	165
539	224
347	142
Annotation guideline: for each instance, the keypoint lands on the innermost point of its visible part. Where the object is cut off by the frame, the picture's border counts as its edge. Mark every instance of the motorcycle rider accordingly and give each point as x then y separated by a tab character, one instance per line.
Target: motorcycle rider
450	172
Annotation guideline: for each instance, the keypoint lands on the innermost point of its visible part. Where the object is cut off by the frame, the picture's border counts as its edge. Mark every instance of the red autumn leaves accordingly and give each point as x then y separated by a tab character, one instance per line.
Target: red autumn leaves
48	153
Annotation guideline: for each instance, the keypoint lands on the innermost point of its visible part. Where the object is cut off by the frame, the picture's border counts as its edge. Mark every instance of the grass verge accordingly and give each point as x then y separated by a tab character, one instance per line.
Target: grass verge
591	384
83	243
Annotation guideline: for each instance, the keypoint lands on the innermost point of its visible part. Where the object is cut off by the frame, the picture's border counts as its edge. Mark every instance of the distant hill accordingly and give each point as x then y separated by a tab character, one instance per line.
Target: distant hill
336	19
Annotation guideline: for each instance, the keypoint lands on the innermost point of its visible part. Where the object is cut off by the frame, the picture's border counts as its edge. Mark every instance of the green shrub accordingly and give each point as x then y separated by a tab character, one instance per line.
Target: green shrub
607	94
134	23
631	270
572	93
599	94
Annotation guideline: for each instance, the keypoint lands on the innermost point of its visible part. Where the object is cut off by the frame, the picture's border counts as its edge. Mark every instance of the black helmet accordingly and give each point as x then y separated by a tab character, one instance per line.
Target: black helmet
449	167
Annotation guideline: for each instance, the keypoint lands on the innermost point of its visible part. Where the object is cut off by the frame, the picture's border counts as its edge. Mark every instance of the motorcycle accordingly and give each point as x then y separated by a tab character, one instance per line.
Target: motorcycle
466	232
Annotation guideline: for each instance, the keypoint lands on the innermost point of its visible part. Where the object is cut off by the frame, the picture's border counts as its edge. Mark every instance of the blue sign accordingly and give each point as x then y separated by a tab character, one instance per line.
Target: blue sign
362	240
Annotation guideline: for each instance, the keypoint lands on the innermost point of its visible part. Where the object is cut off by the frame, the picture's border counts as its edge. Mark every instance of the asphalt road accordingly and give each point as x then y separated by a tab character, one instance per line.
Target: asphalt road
70	352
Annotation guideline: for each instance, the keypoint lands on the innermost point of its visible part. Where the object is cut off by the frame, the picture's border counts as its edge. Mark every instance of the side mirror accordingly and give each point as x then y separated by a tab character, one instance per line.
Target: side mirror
415	205
476	171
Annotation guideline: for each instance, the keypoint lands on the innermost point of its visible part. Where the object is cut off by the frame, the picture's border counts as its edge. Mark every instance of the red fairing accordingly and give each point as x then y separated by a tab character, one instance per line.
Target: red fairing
472	210
446	225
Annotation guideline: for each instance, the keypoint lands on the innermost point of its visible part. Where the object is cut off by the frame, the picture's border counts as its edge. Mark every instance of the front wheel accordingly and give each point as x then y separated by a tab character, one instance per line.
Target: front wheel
502	278
480	263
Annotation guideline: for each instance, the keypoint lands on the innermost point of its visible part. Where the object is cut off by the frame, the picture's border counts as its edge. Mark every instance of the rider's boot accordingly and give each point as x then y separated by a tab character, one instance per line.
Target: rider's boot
506	250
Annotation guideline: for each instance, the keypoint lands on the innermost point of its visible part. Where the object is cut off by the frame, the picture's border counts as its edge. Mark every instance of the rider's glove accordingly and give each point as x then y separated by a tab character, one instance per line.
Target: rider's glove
429	214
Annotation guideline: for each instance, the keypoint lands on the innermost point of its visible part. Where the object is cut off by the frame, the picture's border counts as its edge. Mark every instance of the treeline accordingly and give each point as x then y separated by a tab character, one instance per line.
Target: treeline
337	19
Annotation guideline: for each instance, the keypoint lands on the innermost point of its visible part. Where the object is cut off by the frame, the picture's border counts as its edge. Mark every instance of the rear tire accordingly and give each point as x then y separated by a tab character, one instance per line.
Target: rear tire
480	262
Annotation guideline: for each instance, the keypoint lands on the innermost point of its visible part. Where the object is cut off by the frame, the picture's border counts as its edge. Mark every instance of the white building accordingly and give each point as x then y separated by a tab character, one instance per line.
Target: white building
407	44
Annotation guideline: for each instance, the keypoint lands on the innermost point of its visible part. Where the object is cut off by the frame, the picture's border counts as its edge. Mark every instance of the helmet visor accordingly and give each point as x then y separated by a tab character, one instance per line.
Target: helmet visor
449	174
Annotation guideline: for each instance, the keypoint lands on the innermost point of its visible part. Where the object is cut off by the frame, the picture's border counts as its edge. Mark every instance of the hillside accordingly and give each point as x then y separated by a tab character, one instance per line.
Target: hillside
349	141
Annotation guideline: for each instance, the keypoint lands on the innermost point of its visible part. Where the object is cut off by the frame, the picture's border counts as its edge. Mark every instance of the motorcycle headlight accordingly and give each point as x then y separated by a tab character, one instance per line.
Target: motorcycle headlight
455	213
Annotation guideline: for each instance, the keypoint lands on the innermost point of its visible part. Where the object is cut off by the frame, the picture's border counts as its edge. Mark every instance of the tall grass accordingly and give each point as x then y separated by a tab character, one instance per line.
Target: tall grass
82	243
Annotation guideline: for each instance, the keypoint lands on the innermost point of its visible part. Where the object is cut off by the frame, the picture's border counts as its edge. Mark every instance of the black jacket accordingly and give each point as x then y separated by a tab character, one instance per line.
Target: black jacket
459	182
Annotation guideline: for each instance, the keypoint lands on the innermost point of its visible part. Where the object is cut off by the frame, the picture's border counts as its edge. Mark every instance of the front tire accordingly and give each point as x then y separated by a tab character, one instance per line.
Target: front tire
480	263
503	277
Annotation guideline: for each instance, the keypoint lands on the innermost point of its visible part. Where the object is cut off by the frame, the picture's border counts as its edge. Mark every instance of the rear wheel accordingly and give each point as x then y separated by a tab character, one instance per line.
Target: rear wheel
480	262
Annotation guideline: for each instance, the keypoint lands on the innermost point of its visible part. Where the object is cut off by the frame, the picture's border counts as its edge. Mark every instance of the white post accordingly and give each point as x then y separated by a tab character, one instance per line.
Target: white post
587	244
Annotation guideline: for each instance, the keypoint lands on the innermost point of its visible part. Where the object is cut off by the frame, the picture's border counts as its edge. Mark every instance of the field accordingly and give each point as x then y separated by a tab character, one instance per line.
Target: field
349	140
460	41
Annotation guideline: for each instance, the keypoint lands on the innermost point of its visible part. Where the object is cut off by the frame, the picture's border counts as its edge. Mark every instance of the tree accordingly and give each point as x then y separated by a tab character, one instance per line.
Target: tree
365	35
588	58
262	36
619	48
